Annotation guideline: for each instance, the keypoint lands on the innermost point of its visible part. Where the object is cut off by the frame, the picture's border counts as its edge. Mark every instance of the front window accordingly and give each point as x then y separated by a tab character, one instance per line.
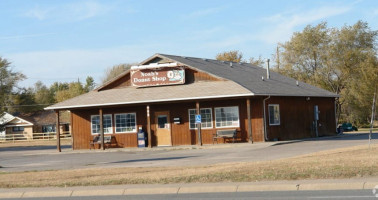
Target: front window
125	123
18	129
106	123
274	114
48	129
227	117
206	118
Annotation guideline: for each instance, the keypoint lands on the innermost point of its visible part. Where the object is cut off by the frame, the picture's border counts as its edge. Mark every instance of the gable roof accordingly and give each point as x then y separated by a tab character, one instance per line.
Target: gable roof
7	118
250	77
240	79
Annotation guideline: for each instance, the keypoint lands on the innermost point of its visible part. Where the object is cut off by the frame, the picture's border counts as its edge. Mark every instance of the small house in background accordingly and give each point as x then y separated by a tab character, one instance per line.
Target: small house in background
45	121
17	126
168	96
25	125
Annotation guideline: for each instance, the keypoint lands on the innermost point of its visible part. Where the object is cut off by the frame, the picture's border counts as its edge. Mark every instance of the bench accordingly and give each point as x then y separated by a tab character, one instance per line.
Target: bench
225	134
97	140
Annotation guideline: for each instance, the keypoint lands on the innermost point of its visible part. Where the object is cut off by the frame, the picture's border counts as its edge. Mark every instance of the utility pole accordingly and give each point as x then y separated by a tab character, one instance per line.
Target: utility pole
372	118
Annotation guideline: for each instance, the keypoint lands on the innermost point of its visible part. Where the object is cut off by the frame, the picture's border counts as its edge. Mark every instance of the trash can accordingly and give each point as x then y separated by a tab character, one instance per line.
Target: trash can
141	138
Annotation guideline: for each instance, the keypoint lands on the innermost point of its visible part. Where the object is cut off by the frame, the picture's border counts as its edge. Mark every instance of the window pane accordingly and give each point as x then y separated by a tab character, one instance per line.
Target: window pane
206	118
125	122
227	117
274	114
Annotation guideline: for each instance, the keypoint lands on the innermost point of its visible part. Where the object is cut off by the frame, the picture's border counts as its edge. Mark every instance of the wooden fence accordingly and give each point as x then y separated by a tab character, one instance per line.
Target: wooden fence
36	136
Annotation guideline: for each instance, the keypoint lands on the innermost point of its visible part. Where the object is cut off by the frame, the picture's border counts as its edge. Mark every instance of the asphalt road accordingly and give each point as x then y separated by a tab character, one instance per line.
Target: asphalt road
47	158
292	195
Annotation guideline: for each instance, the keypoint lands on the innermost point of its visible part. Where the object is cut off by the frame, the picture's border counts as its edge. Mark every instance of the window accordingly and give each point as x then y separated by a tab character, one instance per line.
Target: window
106	123
206	118
227	117
125	123
48	129
274	114
18	129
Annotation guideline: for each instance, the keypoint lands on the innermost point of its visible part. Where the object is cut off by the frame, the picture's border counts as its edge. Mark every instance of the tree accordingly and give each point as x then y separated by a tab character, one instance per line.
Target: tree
42	94
259	61
116	70
8	84
340	60
233	56
74	89
89	84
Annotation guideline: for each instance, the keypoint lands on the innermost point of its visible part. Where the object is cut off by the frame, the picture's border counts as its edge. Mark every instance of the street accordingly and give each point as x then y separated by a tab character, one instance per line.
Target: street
272	195
13	159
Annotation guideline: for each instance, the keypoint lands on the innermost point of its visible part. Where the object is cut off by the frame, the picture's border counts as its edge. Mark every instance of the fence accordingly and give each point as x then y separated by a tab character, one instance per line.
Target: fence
35	137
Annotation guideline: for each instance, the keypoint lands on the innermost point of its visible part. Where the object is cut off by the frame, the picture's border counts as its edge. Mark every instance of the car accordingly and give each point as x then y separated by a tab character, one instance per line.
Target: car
347	127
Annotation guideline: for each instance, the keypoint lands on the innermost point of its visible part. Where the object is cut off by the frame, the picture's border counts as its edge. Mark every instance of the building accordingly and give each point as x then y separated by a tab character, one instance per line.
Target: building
26	125
15	126
164	93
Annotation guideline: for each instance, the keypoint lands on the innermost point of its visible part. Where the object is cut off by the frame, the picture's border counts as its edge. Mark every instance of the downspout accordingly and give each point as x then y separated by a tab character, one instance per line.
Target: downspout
265	131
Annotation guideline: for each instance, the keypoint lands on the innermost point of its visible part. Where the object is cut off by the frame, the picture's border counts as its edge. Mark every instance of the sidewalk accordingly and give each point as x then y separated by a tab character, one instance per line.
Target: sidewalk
299	185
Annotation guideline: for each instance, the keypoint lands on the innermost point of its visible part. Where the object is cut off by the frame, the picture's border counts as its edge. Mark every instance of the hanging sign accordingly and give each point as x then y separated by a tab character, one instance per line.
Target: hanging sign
157	76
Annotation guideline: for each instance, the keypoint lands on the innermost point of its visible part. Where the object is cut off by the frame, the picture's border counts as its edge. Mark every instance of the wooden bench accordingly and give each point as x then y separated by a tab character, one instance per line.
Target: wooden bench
225	134
97	140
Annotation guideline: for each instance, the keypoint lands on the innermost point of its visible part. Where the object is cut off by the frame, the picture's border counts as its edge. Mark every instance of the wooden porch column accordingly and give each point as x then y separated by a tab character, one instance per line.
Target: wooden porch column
57	130
101	129
149	126
198	125
249	121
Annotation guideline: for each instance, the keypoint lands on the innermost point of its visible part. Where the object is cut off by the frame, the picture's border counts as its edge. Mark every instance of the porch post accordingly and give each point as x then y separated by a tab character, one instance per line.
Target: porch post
57	130
249	121
198	125
101	129
149	126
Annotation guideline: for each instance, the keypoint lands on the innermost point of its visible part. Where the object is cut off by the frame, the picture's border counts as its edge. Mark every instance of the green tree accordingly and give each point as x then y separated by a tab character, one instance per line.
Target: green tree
8	84
42	94
233	56
74	89
115	70
89	84
340	60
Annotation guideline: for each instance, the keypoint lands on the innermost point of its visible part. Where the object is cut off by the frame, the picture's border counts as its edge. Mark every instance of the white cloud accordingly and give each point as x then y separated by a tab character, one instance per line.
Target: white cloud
202	13
69	12
68	65
282	25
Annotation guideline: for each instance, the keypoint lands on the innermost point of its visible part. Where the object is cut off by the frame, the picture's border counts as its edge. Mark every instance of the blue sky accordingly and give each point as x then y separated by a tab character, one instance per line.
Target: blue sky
58	40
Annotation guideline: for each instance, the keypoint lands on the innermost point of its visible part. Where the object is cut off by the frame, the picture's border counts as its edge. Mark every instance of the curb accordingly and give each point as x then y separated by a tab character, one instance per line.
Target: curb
180	189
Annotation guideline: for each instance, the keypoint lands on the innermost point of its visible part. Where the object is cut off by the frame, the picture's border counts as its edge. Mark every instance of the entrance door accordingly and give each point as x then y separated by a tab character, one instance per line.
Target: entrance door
163	129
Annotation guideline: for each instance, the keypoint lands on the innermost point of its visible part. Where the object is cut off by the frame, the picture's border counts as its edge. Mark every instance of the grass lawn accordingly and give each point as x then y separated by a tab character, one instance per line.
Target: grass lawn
358	161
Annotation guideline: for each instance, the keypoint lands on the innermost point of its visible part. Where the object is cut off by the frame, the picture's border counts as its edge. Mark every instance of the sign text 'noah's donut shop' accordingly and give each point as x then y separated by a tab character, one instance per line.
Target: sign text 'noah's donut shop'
145	76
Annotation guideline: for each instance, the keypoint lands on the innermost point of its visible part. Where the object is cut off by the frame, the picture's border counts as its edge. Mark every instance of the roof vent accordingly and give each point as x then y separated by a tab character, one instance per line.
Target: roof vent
183	57
230	64
204	59
267	70
297	83
262	78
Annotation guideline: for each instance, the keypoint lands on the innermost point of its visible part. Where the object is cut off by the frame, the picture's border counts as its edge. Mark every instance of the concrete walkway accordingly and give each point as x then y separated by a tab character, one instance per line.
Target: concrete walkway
298	185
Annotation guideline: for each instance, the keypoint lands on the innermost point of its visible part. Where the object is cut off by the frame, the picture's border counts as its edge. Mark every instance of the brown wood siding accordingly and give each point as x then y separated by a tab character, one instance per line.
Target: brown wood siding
257	119
297	116
81	126
190	77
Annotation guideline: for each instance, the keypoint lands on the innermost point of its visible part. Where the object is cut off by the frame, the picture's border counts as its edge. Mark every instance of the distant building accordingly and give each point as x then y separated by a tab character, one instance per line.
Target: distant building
28	123
163	95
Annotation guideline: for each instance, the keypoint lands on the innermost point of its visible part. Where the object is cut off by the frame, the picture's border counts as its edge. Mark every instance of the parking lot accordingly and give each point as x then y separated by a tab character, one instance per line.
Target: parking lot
47	158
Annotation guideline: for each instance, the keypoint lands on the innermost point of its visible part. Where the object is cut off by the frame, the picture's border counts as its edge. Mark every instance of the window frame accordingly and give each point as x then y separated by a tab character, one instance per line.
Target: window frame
279	114
195	125
232	126
136	124
18	129
111	123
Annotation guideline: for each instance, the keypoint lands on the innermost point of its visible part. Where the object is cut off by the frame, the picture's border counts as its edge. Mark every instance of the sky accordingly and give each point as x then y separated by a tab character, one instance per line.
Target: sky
55	40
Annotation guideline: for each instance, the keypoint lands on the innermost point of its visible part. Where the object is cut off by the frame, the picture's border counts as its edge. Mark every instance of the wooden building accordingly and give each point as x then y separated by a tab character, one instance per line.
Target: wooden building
164	93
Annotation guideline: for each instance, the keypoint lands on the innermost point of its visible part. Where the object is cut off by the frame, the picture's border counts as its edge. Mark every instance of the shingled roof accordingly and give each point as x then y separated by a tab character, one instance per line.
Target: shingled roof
250	77
238	79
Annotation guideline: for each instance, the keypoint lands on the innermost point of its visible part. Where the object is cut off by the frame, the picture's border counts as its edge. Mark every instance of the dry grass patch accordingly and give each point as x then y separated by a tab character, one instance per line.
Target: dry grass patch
351	162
